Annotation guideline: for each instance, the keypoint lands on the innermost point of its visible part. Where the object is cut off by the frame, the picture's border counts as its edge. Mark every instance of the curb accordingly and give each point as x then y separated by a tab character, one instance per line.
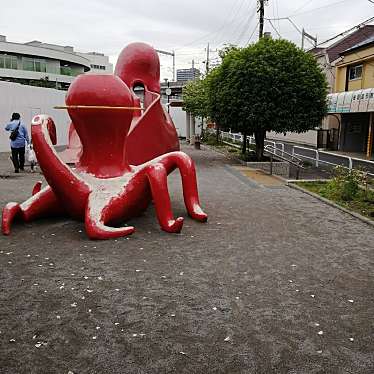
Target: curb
307	180
331	203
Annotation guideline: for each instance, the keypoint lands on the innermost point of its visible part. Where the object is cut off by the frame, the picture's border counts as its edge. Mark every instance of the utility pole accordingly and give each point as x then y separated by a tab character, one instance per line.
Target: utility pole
174	76
193	69
261	10
305	35
207	60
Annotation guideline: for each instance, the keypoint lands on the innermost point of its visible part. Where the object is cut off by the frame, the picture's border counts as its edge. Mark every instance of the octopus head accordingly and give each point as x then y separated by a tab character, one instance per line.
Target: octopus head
100	107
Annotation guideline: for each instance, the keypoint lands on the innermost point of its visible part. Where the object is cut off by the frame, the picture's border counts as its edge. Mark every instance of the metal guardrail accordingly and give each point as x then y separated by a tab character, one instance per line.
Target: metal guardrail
293	156
279	147
318	160
273	152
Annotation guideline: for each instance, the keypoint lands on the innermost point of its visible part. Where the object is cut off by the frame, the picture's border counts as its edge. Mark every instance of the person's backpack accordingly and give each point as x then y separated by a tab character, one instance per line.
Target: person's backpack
14	133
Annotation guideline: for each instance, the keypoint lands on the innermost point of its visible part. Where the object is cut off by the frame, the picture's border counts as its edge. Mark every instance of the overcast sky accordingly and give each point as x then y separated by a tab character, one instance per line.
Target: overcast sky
184	26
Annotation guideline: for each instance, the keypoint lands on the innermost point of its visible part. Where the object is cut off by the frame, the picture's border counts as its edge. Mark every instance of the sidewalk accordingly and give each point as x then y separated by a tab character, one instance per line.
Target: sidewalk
275	282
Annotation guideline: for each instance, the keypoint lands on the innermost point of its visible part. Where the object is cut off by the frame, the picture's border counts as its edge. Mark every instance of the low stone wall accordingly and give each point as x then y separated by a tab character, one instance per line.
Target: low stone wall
279	168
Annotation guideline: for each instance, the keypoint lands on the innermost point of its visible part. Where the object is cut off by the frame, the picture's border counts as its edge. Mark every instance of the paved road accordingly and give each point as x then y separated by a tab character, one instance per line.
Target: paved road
275	282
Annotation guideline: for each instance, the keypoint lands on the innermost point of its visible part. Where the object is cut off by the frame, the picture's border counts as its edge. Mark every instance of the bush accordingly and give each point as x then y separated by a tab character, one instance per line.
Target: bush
344	186
210	139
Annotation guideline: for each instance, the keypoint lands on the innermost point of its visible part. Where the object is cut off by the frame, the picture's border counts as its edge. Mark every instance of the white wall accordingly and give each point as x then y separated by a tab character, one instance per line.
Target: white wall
36	75
307	138
178	116
30	101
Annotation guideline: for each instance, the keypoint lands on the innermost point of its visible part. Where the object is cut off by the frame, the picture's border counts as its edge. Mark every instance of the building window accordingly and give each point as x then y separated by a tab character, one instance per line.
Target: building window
355	72
32	64
98	67
8	62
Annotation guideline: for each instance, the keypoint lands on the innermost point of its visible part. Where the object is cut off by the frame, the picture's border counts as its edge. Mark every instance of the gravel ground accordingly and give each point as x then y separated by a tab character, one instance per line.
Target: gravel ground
275	282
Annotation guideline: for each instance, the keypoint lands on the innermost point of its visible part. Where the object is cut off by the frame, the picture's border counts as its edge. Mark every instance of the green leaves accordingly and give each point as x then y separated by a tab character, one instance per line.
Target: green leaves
195	98
268	86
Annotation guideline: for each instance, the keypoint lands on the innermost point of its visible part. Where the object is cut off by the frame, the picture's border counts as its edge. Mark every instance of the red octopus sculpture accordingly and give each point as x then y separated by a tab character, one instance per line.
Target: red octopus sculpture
153	132
104	188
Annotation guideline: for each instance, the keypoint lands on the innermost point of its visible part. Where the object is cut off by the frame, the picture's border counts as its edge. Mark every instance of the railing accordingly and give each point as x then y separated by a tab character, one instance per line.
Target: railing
318	160
272	150
279	150
293	156
236	137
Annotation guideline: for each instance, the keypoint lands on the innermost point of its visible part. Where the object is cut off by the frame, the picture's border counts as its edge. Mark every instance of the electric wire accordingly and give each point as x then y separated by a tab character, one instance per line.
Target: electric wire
322	7
253	32
222	32
302	7
271	24
246	24
215	31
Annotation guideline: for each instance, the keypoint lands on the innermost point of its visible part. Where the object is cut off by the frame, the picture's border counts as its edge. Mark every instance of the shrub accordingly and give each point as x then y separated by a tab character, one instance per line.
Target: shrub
344	186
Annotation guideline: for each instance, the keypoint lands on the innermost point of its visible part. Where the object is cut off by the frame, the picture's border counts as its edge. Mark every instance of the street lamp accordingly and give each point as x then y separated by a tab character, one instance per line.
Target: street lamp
168	93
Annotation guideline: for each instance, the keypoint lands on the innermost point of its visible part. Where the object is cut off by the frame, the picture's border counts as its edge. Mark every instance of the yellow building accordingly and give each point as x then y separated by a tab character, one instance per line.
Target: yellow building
356	69
354	73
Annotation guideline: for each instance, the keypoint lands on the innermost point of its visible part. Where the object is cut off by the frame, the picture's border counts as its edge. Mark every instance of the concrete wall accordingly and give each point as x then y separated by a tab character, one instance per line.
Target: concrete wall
35	75
307	138
279	168
29	101
327	69
178	116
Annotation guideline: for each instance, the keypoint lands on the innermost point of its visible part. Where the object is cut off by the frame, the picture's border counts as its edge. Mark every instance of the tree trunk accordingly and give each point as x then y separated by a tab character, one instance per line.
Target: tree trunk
244	145
202	132
217	133
260	142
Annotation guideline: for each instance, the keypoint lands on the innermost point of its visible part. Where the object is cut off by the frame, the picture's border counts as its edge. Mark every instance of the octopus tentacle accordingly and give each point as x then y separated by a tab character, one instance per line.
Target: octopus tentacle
37	188
95	222
59	176
157	178
10	211
41	204
187	170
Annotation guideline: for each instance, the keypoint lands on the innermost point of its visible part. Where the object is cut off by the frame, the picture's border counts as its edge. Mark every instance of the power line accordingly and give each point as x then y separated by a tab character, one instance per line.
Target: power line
322	7
277	6
347	31
215	31
302	7
253	32
233	18
271	24
246	23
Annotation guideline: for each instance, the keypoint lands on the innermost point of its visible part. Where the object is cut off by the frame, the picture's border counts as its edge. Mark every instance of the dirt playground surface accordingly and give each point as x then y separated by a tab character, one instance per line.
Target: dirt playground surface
275	282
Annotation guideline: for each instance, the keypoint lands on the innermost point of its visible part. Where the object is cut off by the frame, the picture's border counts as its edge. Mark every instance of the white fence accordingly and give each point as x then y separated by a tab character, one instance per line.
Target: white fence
280	149
238	138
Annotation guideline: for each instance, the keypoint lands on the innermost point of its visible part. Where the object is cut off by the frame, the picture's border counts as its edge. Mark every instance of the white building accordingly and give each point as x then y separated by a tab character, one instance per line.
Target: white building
48	65
99	63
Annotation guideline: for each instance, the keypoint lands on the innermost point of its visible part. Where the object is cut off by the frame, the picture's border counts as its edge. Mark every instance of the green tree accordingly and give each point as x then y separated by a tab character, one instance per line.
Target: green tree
268	86
195	98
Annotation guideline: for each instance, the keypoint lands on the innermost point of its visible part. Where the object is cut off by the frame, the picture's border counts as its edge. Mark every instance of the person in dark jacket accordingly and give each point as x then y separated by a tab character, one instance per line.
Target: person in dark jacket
18	145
